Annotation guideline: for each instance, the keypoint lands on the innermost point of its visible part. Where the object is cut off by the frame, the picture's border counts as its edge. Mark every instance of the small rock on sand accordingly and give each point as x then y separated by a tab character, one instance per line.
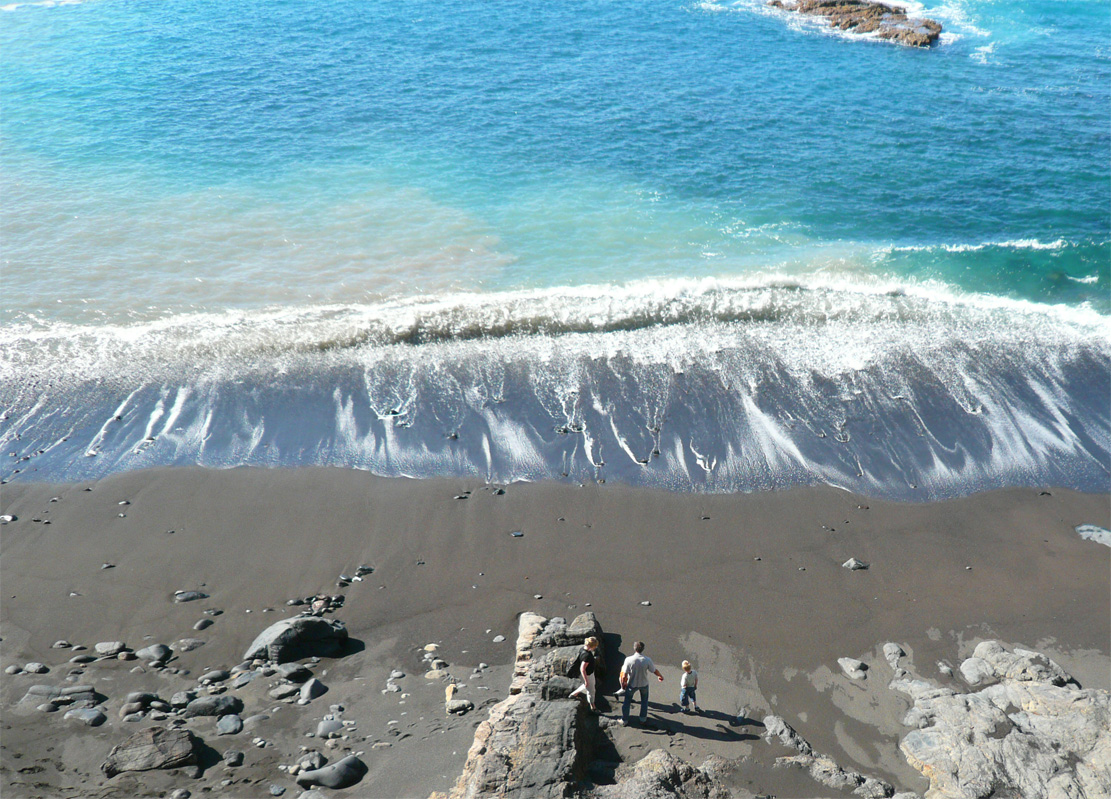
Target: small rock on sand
341	774
230	724
854	669
154	652
852	564
89	716
189	596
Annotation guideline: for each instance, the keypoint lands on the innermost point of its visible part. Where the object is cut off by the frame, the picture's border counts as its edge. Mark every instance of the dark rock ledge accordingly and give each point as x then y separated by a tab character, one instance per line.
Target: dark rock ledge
865	16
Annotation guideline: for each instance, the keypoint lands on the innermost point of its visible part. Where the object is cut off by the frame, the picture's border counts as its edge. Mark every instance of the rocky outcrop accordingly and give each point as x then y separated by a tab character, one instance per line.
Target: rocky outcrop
152	748
661	775
821	768
298	638
868	17
1031	732
530	745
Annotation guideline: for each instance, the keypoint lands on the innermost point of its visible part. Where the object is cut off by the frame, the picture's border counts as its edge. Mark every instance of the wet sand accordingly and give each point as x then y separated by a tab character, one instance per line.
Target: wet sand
749	587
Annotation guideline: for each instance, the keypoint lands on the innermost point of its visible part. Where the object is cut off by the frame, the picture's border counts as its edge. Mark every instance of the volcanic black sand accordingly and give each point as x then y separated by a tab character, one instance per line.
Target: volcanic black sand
750	588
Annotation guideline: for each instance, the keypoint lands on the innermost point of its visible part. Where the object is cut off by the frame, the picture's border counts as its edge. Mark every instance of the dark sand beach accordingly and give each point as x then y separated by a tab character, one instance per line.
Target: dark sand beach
749	587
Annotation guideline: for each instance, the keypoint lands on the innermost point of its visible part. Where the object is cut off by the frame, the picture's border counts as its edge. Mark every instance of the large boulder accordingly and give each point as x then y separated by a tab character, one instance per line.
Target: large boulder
294	639
152	748
220	705
1034	733
341	774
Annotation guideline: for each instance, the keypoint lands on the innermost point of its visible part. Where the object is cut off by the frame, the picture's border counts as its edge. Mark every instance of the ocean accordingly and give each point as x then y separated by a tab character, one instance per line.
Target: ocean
696	246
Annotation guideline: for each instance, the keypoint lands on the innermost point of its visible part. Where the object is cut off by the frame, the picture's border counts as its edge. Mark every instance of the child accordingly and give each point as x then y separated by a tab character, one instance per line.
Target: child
688	688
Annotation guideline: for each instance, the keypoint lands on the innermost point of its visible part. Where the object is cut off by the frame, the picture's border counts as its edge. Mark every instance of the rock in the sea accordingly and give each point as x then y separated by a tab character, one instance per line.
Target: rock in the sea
155	652
152	748
230	724
1033	733
867	16
295	639
341	774
88	716
213	706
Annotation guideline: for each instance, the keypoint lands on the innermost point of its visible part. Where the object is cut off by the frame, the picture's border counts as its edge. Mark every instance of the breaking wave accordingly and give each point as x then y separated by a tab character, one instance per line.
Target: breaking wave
891	388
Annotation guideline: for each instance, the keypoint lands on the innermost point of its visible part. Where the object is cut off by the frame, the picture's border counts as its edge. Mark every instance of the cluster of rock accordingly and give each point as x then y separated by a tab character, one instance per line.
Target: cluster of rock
822	768
868	17
271	655
540	743
1031	731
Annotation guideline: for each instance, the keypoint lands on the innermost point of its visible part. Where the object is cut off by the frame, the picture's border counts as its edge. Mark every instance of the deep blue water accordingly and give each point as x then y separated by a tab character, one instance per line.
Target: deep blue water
508	239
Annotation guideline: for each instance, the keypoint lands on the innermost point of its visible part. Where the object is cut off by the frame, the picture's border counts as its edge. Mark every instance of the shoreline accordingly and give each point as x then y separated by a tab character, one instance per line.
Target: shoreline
748	586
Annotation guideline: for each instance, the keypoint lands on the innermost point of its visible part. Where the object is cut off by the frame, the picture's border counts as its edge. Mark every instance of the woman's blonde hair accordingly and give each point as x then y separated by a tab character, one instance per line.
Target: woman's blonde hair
686	665
592	642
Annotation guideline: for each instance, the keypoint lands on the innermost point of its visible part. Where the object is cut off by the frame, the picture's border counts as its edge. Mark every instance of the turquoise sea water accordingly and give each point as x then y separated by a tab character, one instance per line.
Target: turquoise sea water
699	245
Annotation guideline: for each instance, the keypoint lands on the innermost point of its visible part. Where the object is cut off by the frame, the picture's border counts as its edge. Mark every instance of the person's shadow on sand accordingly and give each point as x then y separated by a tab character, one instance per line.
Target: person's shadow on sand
667	720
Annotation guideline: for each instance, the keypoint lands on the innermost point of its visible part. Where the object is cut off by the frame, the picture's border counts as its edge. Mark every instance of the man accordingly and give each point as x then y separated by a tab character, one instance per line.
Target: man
585	662
634	677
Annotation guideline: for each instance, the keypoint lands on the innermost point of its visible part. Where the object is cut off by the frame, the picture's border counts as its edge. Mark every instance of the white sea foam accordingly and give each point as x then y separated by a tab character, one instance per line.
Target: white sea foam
1011	244
1092	532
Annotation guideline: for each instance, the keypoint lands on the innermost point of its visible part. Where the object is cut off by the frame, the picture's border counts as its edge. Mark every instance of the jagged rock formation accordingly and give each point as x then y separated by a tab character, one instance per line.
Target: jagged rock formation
821	768
532	746
1031	732
661	775
868	17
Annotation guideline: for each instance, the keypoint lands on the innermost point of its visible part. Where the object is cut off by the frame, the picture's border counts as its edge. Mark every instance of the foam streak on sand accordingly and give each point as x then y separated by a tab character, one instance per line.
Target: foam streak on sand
895	389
